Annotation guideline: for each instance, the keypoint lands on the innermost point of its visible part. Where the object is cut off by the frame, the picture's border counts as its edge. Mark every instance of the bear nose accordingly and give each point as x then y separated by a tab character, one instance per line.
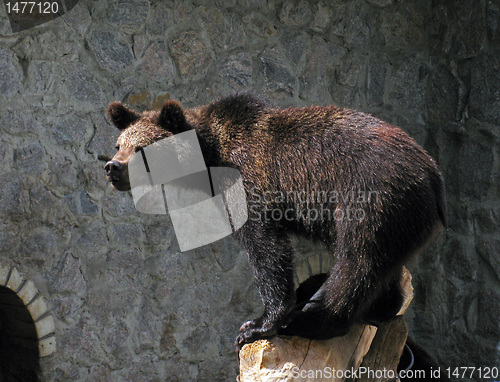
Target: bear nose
113	167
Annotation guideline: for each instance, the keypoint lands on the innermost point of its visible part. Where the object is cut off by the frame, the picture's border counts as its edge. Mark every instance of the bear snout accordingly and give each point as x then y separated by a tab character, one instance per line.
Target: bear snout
117	174
114	169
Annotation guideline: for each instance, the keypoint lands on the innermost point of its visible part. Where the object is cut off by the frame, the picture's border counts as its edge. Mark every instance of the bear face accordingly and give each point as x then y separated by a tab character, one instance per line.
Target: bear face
137	131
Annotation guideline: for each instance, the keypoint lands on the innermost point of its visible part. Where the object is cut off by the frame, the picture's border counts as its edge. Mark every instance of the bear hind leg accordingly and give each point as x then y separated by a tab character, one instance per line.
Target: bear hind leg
353	292
387	304
315	323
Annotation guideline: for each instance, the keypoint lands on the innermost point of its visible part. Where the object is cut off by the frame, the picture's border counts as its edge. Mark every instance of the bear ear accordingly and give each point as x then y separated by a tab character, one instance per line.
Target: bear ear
172	118
121	116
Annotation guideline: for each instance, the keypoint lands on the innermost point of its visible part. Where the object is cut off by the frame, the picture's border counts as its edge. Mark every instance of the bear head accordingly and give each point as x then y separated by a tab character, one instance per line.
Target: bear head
137	131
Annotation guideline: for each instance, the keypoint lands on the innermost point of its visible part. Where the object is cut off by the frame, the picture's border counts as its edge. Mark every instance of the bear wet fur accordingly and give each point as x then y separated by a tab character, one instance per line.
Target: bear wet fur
310	151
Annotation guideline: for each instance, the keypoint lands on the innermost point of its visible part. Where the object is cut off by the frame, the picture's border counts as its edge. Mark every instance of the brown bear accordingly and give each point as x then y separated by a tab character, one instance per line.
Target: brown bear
359	185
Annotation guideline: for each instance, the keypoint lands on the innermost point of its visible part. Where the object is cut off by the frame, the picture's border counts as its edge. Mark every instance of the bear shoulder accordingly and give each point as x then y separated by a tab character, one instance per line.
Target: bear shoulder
239	109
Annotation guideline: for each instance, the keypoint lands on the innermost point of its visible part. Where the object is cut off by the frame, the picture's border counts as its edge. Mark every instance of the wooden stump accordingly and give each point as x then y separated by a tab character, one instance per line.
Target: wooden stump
361	355
381	361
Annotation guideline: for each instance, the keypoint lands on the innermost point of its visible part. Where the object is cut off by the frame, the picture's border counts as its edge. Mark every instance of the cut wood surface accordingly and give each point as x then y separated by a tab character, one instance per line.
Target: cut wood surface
295	358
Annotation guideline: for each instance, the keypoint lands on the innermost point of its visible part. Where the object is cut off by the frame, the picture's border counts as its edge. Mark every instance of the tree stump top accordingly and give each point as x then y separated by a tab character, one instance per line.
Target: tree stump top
299	359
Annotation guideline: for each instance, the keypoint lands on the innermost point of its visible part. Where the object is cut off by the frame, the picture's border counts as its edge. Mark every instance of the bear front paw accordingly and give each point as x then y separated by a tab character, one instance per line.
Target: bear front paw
253	330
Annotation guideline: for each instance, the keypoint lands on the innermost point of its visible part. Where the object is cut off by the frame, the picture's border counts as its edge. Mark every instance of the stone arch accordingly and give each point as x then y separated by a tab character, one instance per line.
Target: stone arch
27	331
311	258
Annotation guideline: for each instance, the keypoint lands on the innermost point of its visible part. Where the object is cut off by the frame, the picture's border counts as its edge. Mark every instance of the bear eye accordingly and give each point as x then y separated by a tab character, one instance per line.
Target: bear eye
117	147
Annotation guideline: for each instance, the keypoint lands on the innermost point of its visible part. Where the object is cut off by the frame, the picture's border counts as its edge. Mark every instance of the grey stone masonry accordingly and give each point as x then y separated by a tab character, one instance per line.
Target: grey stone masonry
117	300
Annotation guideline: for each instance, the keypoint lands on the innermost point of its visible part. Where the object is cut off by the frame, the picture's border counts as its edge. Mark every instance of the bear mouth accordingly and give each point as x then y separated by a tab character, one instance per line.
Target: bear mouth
119	184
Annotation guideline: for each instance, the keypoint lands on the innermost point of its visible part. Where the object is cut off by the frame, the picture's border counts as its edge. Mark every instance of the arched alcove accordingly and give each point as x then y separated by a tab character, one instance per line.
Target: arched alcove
26	328
19	354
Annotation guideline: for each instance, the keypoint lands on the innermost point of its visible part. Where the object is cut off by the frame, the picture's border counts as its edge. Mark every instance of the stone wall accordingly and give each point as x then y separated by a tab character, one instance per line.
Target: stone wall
126	304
